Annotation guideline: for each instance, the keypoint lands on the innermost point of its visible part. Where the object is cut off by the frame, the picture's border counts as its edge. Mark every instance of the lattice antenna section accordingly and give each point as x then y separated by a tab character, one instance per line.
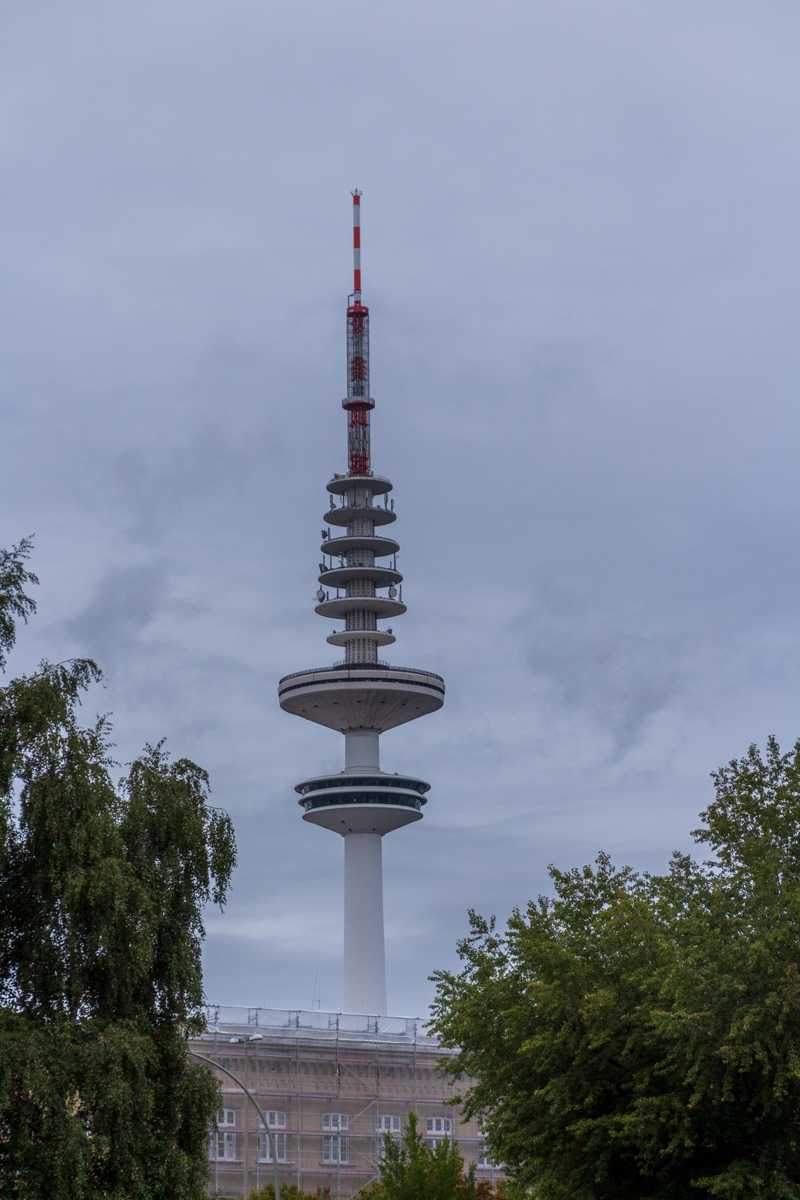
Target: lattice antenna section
358	402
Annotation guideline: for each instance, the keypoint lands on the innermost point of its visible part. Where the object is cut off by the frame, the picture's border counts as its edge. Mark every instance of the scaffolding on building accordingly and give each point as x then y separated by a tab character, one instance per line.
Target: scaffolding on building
331	1085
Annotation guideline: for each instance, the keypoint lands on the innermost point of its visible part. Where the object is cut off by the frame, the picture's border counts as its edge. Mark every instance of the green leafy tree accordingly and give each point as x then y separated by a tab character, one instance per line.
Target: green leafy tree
409	1170
289	1191
101	893
639	1036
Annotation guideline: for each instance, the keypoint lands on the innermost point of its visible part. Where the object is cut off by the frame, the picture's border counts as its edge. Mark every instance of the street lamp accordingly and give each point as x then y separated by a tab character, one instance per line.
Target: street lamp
273	1149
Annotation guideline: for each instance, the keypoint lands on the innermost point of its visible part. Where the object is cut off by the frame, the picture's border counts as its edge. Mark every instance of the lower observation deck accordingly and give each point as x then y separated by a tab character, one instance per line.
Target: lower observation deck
362	801
361	695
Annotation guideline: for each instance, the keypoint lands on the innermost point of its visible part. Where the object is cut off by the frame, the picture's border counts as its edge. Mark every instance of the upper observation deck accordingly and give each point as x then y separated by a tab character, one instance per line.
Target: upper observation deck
361	695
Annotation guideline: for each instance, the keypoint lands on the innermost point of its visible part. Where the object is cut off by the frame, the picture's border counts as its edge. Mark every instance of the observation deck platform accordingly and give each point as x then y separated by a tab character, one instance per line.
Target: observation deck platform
344	515
377	636
361	695
340	606
341	576
362	801
379	546
379	485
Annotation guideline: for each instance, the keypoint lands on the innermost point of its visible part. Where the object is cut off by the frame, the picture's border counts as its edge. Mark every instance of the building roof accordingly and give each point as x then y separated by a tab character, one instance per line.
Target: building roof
234	1021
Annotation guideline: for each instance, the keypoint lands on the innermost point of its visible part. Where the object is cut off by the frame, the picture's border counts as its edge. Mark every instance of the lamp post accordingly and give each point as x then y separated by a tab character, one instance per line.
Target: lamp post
273	1149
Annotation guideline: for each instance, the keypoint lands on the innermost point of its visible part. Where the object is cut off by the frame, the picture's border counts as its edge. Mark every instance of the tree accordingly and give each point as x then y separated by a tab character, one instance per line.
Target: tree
101	893
289	1191
639	1036
410	1170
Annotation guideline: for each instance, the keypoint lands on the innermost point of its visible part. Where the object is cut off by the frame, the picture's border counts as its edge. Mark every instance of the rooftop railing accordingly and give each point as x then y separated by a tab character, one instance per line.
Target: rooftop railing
407	1028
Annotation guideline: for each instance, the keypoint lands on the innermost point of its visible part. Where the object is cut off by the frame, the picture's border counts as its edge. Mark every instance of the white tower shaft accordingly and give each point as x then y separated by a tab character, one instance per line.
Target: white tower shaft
362	750
364	952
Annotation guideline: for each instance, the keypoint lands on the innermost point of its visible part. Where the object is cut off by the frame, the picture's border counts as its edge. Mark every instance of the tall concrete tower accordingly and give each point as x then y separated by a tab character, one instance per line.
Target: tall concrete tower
362	696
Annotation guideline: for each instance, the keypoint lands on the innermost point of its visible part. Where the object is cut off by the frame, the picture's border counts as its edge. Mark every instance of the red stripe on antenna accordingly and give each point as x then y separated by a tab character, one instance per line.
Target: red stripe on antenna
357	246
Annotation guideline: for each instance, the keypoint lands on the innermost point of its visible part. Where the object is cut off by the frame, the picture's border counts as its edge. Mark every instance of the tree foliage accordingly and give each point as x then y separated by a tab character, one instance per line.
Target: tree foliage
102	887
639	1036
289	1191
14	602
410	1170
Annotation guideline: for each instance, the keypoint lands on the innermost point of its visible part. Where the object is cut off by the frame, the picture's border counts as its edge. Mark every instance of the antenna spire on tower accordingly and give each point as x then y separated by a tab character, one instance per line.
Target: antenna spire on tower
357	246
358	402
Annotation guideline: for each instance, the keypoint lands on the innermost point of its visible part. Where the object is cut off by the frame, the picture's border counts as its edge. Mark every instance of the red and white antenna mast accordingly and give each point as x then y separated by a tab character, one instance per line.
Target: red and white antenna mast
358	402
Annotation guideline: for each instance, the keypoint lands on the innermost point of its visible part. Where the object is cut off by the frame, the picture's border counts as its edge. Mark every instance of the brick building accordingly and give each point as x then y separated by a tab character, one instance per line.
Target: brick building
330	1085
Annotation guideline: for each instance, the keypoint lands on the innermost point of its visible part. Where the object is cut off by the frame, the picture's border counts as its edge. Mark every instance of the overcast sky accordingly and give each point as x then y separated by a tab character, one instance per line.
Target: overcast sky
581	255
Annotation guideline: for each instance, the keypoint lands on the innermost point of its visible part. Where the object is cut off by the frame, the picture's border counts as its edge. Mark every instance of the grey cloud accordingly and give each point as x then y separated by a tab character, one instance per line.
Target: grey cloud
581	255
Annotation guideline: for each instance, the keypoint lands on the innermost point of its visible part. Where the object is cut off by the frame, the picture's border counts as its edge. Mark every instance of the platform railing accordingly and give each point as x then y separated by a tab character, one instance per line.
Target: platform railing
367	666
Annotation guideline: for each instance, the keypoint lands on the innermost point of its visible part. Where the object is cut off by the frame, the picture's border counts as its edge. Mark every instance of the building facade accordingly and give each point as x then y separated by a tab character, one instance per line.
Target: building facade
330	1085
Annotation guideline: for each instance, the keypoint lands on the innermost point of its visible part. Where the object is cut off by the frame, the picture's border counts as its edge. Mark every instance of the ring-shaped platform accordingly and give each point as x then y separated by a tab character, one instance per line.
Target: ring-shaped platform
362	818
346	604
380	546
363	778
361	696
377	484
377	636
343	516
341	576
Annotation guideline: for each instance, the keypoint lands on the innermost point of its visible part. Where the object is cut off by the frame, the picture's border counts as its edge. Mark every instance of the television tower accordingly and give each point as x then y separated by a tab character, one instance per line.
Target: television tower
362	696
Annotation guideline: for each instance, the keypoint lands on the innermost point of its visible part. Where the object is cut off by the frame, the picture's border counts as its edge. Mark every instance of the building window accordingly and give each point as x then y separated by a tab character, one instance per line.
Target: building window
484	1159
275	1120
265	1151
226	1117
222	1147
439	1126
335	1121
384	1125
335	1149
